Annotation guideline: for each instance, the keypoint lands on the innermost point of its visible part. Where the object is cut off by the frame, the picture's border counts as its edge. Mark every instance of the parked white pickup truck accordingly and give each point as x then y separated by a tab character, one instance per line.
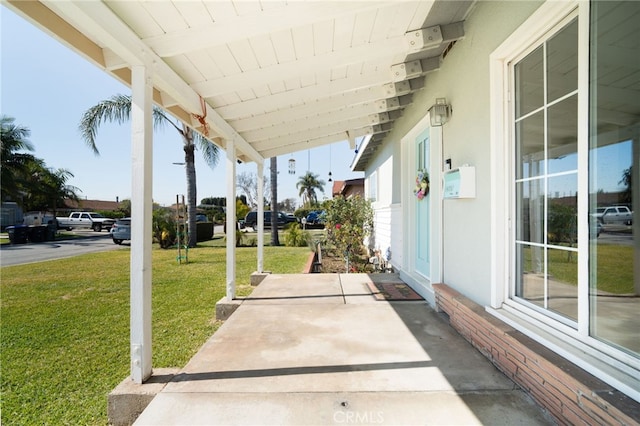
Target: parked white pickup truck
91	220
618	215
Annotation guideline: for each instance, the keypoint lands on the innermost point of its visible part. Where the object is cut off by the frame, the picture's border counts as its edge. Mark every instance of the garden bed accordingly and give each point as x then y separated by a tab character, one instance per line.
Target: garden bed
337	264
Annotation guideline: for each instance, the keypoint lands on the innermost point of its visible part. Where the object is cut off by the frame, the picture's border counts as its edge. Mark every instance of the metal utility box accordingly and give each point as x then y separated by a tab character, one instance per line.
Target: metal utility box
460	183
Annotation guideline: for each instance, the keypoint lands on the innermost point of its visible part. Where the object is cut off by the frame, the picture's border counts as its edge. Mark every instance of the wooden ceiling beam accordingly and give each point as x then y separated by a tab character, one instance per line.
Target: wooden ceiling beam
294	14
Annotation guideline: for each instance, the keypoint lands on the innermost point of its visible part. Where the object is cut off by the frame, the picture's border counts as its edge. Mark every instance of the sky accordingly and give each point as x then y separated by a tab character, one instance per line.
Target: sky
47	87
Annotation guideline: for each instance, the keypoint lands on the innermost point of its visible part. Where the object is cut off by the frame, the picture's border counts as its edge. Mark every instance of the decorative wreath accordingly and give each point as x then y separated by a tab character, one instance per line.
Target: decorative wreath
422	184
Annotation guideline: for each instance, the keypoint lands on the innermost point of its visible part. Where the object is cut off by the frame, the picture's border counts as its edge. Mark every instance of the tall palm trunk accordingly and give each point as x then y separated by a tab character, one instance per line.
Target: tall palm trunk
274	202
190	168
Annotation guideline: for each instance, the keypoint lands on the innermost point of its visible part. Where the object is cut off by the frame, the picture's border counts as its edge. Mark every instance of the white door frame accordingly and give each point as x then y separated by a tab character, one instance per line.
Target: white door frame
408	273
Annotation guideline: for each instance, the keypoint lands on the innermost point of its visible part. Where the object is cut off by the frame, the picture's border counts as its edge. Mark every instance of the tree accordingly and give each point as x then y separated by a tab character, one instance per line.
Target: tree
25	178
288	205
48	189
562	225
125	207
118	109
241	209
275	241
307	185
15	166
214	201
627	180
248	184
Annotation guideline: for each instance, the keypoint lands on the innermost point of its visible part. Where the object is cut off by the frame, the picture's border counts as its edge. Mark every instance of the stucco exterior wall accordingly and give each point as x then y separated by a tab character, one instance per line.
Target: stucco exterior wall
463	80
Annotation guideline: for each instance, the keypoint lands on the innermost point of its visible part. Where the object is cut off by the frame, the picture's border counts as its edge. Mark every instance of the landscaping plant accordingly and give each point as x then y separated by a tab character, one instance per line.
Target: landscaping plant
295	237
164	227
348	222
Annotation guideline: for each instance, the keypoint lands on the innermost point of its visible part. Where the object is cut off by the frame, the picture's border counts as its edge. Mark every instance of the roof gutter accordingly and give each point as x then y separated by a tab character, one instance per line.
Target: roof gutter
360	150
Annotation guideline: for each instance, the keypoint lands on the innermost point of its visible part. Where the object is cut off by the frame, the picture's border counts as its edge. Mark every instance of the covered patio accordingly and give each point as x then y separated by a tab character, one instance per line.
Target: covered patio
267	78
321	349
259	78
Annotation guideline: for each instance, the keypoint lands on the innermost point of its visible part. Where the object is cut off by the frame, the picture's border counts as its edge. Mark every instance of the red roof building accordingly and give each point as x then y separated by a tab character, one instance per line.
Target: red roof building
347	188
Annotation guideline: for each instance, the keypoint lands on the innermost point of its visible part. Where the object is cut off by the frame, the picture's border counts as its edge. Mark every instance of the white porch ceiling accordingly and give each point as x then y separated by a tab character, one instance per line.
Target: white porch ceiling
274	76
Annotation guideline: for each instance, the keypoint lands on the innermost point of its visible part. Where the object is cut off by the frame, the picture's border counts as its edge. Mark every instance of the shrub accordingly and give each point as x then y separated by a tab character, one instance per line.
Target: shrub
295	237
348	222
241	209
239	236
164	227
117	214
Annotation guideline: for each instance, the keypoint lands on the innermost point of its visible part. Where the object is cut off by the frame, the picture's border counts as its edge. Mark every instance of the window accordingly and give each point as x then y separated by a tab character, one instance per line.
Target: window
572	143
546	185
373	186
422	153
614	145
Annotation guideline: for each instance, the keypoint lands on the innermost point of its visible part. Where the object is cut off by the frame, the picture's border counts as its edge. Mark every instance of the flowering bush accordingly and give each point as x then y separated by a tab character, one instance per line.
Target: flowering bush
422	184
348	222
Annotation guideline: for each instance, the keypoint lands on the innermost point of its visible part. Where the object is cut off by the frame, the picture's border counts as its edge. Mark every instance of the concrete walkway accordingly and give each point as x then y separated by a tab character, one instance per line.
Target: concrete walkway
319	349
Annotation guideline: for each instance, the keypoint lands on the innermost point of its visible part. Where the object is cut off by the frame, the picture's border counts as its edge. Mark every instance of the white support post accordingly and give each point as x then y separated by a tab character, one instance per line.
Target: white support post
141	203
260	217
231	220
635	199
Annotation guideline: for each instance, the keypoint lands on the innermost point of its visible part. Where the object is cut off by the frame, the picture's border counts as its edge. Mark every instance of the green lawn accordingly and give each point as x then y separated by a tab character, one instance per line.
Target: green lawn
65	324
614	263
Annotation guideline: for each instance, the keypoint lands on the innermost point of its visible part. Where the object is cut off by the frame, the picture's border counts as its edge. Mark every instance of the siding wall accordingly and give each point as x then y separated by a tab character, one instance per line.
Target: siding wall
388	232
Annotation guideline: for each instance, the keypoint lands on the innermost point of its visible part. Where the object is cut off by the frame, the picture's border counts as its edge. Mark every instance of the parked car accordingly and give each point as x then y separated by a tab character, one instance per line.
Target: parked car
315	219
121	230
91	220
251	219
614	215
291	217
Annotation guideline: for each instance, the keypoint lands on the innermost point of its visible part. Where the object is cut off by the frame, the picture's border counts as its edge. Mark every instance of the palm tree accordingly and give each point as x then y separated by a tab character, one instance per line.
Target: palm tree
118	109
307	184
49	189
15	166
25	178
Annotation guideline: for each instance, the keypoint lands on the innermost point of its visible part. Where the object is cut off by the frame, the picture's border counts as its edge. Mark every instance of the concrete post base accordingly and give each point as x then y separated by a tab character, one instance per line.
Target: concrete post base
257	277
225	307
129	399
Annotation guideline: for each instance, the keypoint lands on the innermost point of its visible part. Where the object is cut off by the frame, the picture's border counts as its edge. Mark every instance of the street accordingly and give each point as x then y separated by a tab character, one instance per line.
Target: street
612	235
16	254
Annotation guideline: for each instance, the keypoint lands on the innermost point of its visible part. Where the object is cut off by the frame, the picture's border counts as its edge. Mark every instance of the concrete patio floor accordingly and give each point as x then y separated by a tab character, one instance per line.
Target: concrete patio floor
320	349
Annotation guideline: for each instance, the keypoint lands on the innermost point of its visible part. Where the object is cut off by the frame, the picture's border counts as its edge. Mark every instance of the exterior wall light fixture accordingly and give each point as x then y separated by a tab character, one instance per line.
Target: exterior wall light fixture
440	112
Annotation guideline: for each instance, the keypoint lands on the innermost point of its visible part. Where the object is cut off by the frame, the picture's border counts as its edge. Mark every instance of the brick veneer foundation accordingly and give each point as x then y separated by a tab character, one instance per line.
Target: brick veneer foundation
568	392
